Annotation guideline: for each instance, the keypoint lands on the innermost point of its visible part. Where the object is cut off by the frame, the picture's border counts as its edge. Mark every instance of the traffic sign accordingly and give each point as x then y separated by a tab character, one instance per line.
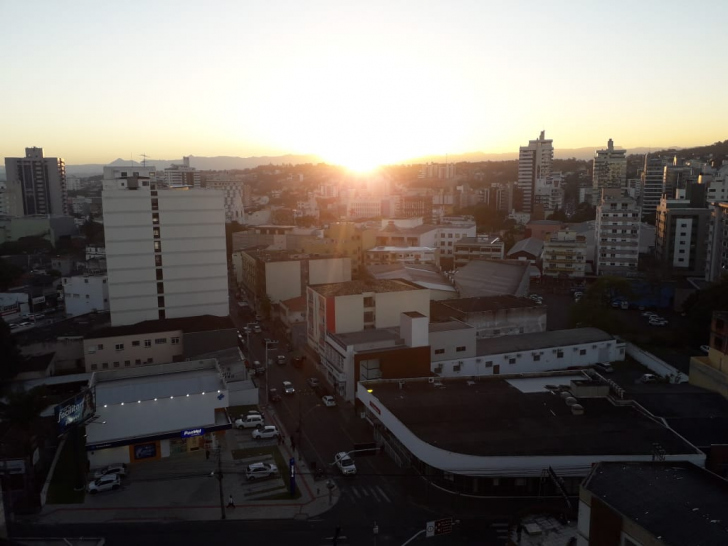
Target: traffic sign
430	529
443	526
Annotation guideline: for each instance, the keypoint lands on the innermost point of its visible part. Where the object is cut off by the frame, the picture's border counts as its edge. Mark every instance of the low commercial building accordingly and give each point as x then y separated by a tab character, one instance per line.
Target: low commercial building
494	315
672	502
511	435
564	255
481	247
526	353
155	412
493	278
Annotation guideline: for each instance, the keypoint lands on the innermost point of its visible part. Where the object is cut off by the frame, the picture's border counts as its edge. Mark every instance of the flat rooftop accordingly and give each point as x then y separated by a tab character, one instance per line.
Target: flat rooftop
449	326
677	502
496	417
202	323
483	303
541	340
350	288
368	336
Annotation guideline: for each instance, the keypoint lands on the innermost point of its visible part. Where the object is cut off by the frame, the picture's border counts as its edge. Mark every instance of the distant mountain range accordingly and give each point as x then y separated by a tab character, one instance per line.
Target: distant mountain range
230	162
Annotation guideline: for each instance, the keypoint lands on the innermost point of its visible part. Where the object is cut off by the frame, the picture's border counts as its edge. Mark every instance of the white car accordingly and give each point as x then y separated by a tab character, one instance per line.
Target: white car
648	378
705	348
313	382
252	420
268	431
256	471
288	388
118	469
345	464
328	401
110	482
257	329
282	360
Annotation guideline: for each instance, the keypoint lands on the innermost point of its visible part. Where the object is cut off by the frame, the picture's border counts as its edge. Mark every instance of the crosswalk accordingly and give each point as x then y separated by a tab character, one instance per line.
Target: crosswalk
361	493
501	531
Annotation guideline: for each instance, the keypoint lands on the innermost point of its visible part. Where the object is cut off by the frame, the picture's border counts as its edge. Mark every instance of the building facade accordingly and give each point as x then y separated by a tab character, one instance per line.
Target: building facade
480	247
85	294
609	168
165	251
617	232
652	184
534	162
564	255
682	231
716	261
36	184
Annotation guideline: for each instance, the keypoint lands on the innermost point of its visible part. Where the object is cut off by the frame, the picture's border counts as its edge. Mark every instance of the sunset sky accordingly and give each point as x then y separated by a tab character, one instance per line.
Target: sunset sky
357	83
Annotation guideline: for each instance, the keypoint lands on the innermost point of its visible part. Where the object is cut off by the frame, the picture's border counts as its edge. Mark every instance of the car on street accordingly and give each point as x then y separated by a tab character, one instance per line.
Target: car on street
705	348
604	367
257	471
256	328
288	388
274	395
313	382
268	431
649	314
118	468
110	482
247	330
328	401
281	360
345	463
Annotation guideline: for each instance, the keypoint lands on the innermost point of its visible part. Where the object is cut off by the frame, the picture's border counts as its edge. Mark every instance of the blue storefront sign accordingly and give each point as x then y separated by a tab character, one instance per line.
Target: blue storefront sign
192	432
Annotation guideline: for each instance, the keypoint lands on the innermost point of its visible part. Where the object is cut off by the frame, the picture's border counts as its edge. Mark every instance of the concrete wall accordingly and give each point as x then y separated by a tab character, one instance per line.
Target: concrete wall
444	344
389	305
702	374
329	270
161	353
283	280
654	364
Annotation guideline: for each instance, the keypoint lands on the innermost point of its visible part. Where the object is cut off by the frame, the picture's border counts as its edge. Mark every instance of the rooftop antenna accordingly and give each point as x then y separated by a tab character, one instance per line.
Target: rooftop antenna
144	161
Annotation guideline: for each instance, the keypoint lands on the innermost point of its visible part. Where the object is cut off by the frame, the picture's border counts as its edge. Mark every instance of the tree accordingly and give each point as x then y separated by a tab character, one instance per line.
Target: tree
699	309
9	273
595	308
12	360
23	408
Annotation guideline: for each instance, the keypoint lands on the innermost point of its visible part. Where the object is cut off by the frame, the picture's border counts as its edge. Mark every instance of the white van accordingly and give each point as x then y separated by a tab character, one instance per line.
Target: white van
251	420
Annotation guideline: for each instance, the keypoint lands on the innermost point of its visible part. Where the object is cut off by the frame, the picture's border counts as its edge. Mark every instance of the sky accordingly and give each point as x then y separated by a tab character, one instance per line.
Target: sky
357	83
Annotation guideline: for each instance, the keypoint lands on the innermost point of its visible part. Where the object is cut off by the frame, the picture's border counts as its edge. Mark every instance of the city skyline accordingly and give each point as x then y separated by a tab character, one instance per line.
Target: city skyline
355	85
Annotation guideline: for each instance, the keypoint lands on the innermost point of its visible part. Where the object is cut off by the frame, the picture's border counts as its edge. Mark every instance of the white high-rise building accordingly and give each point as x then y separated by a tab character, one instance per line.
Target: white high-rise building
36	184
610	168
182	175
534	162
617	234
165	251
652	183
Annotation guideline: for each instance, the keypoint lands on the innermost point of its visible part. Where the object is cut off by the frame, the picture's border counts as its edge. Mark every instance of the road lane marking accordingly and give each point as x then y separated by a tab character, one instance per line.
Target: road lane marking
383	494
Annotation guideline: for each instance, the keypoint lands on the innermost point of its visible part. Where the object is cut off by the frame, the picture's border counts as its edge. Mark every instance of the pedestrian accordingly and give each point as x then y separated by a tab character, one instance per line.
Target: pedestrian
231	502
207	454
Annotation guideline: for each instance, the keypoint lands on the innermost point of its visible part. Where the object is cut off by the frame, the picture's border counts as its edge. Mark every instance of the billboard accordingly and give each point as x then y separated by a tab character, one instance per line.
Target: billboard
76	410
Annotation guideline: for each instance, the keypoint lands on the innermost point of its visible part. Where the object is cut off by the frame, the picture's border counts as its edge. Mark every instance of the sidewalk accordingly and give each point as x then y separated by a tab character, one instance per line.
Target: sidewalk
184	488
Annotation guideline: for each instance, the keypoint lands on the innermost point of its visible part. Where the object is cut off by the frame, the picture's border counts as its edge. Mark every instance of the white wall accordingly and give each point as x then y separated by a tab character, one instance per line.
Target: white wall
104	457
329	270
83	295
349	311
389	305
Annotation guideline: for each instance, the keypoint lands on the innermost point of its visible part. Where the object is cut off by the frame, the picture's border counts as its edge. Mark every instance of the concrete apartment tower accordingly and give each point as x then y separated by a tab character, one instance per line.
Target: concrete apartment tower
617	234
534	162
610	168
165	249
652	183
36	185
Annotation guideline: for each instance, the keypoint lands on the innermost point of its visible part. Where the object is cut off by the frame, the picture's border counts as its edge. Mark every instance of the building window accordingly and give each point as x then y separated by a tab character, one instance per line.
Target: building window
368	316
135	343
138	361
127	363
559	354
155	204
157	246
536	358
150	360
160	275
100	347
368	301
156	233
94	366
160	288
160	341
160	301
511	361
155	218
116	364
105	365
459	349
85	281
119	347
162	314
582	352
147	343
488	363
158	260
175	341
439	351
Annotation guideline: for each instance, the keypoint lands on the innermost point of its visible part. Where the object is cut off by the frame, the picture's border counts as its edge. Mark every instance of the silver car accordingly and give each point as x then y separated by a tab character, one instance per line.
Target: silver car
257	471
268	431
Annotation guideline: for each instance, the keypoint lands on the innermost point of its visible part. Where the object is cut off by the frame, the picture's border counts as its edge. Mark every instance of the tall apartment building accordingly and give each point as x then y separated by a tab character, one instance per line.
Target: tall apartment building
682	229
442	171
564	255
677	177
617	234
233	199
609	168
652	183
36	184
534	162
182	175
716	262
165	251
416	206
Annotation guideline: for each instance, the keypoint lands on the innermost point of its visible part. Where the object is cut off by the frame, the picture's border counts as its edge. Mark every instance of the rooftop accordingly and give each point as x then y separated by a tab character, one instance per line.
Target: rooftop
541	340
423	275
530	245
479	240
492	416
491	277
449	326
350	288
202	323
677	502
80	326
368	336
481	304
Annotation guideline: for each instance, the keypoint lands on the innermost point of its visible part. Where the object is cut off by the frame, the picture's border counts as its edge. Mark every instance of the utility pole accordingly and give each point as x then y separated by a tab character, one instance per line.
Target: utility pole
219	481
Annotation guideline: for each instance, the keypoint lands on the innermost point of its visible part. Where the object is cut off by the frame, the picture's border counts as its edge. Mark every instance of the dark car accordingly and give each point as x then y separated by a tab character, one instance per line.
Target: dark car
273	395
298	362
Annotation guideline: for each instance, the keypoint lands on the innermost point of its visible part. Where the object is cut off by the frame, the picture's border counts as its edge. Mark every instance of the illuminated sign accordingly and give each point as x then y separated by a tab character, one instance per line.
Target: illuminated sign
75	411
193	432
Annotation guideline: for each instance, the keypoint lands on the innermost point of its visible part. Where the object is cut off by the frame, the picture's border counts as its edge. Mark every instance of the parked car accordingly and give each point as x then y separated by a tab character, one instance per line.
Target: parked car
288	388
257	471
648	378
648	314
705	348
268	431
119	469
345	463
328	401
273	395
604	367
313	382
252	420
110	482
281	360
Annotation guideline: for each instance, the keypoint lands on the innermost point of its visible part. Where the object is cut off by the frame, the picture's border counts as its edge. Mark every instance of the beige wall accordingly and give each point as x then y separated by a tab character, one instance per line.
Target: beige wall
329	270
389	305
160	353
349	312
283	280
